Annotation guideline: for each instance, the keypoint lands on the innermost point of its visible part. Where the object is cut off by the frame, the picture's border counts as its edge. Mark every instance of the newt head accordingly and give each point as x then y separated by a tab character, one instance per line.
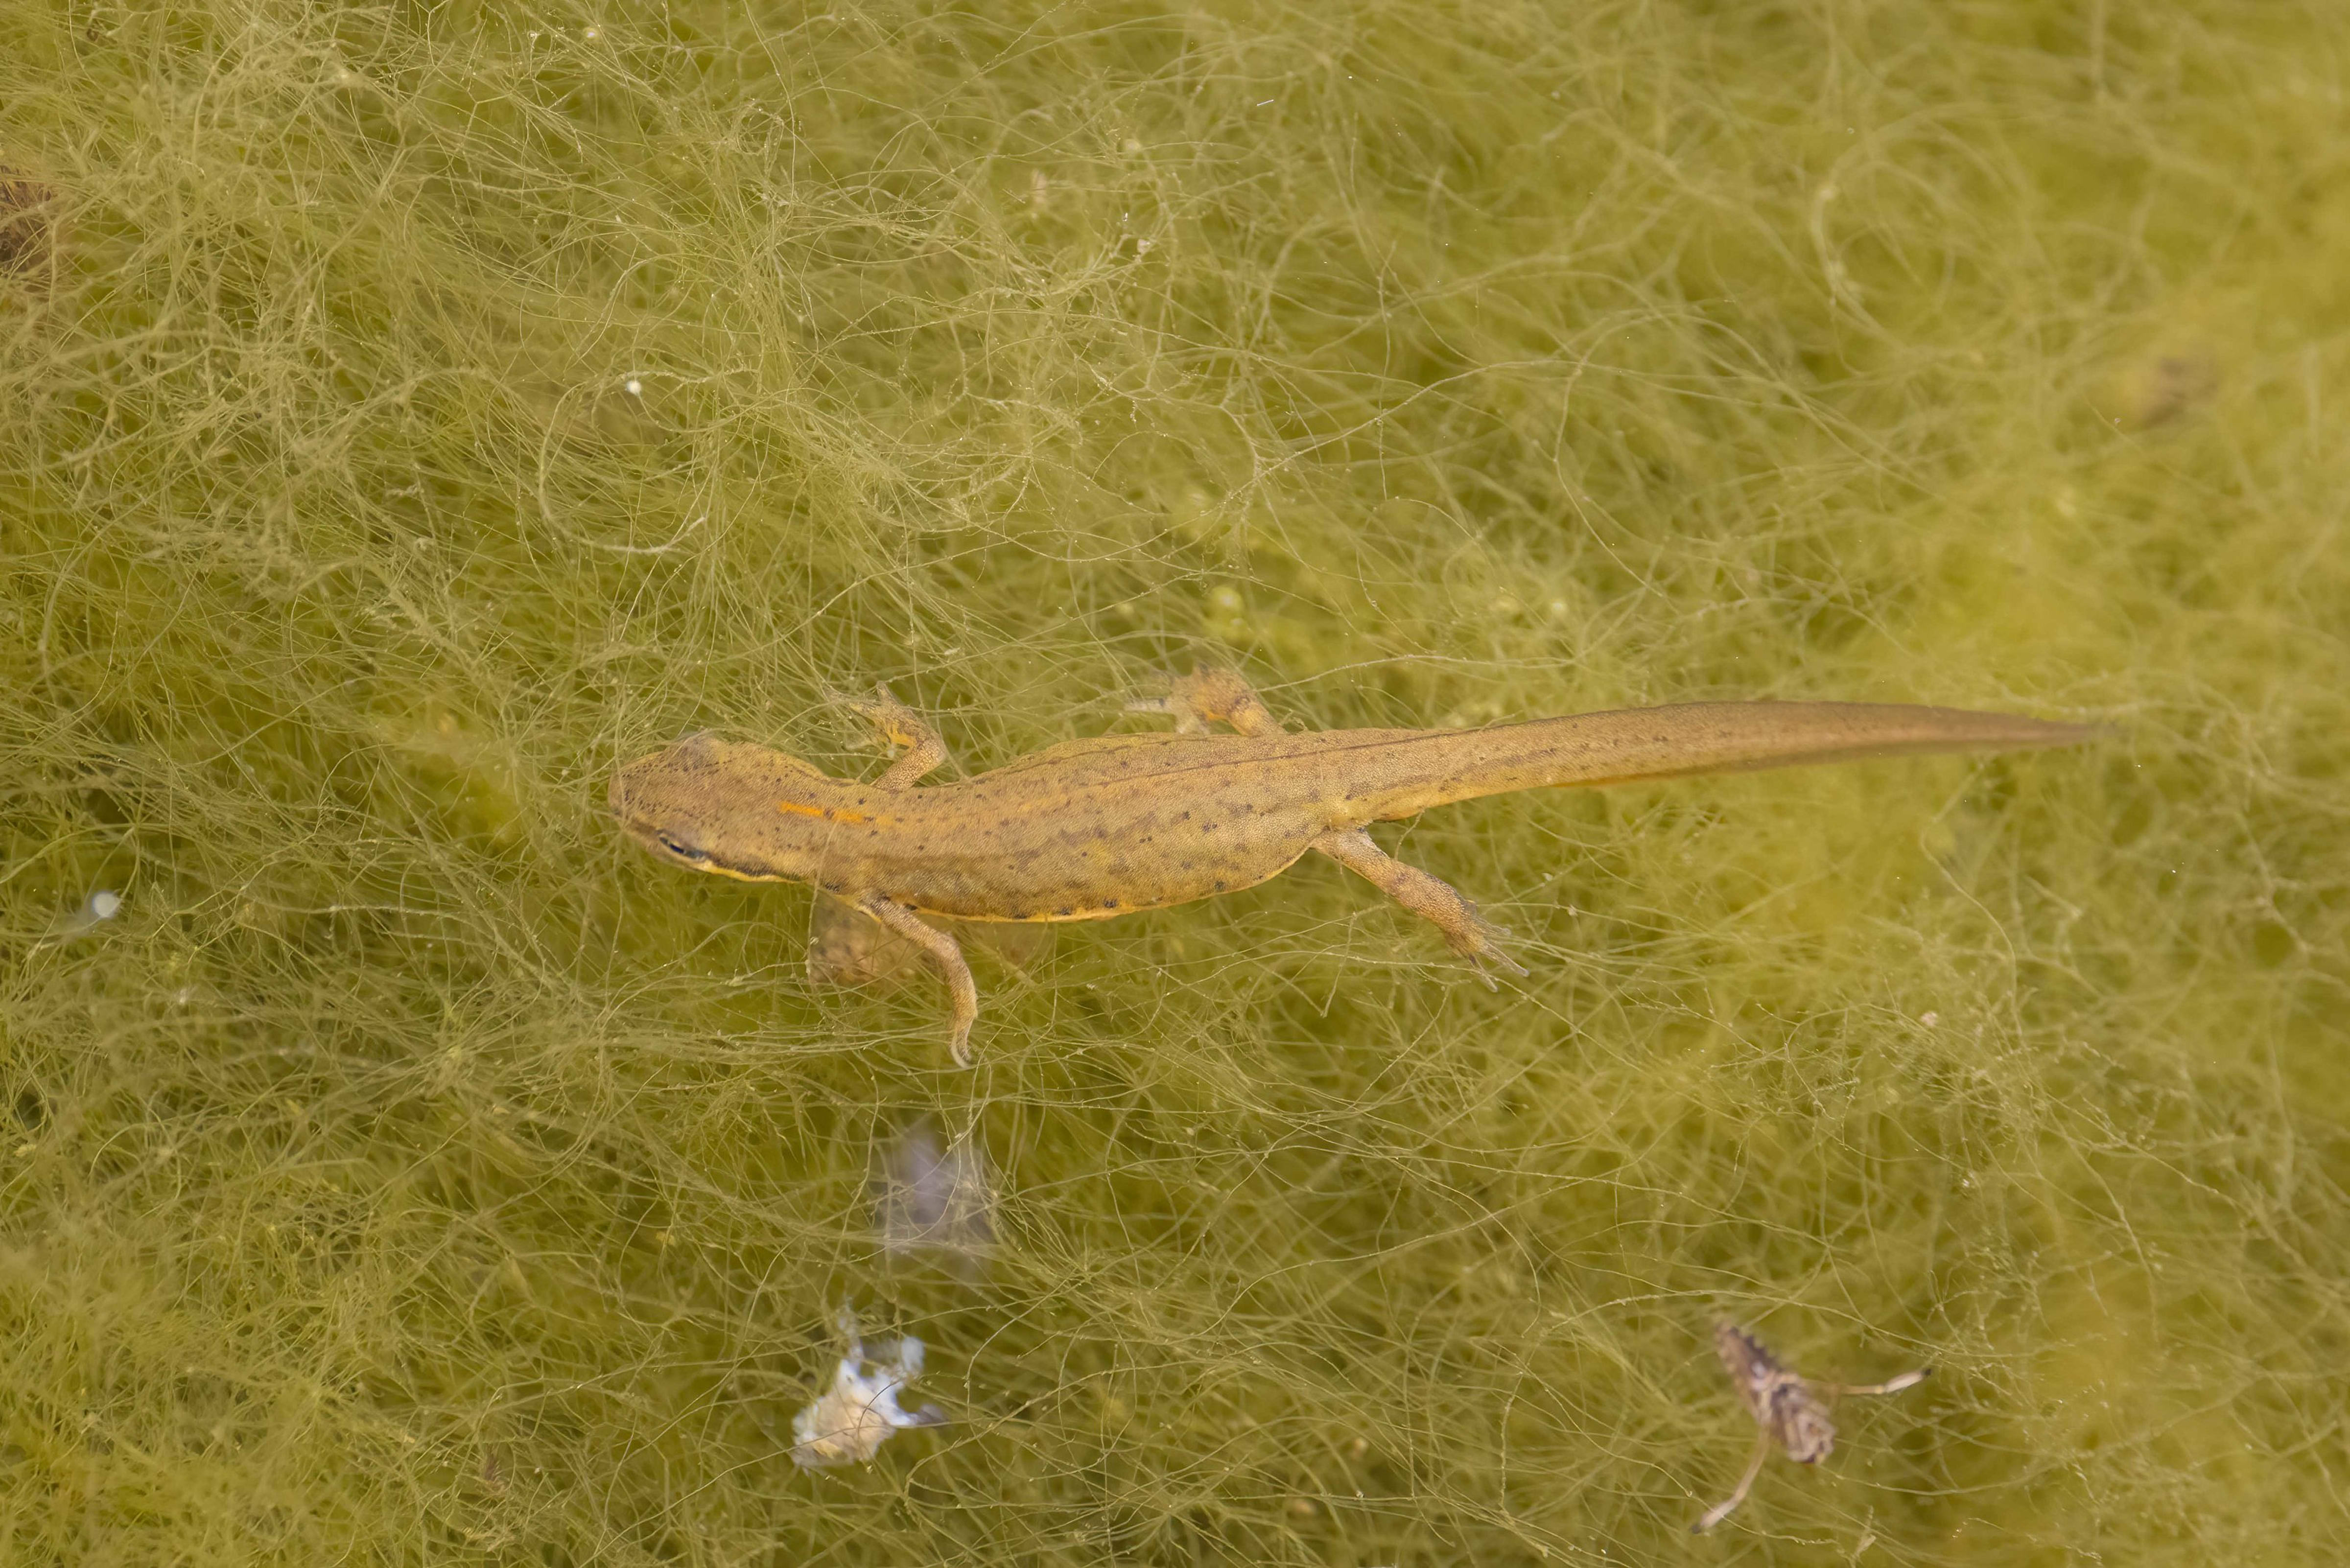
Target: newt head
727	807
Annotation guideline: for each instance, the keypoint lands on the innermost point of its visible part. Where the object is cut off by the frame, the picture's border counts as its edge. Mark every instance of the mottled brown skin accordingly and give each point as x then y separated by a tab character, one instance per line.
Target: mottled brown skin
1105	827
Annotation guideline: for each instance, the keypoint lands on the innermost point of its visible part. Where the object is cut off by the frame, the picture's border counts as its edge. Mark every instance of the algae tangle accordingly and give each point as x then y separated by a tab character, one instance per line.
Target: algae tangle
410	413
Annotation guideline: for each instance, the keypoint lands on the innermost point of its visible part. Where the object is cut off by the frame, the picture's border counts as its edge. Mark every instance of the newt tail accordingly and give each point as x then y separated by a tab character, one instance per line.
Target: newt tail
1404	777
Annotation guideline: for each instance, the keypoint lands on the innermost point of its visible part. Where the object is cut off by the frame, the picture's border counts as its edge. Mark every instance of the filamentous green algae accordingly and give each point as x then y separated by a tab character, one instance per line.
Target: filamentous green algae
408	414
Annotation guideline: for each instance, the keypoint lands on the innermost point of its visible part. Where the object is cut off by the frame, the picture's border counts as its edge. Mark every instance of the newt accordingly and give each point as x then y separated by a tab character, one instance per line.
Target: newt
1096	828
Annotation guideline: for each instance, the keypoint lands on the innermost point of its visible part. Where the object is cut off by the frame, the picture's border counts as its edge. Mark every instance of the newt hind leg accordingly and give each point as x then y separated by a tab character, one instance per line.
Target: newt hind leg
1432	898
1213	696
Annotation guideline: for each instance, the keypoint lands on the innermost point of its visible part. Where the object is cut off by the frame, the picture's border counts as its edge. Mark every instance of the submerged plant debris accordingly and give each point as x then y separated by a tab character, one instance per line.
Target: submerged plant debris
1790	1410
28	226
935	1201
424	410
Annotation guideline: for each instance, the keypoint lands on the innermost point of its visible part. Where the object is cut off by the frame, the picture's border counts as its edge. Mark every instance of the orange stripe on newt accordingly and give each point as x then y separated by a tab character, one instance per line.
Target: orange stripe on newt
794	808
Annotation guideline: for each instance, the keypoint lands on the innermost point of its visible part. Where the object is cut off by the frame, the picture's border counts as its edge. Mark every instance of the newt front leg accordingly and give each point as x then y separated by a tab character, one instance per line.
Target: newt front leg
925	752
960	987
846	946
899	725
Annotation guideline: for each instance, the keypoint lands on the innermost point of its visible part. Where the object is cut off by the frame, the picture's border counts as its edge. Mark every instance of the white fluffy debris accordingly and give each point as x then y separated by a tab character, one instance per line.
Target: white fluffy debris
848	1424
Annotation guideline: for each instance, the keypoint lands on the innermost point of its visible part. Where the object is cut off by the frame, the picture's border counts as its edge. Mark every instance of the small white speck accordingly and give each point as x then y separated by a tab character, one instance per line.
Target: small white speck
1266	101
103	905
592	32
1929	1018
633	387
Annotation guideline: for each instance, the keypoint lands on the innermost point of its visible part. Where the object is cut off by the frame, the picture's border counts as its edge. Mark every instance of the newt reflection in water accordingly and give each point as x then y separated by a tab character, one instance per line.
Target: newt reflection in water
1101	828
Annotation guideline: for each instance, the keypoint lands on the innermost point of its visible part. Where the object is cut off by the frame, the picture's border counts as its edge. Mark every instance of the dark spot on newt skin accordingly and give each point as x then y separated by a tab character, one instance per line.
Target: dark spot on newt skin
1109	903
1065	911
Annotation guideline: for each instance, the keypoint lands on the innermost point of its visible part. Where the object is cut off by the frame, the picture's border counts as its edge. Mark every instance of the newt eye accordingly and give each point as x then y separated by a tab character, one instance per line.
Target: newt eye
682	851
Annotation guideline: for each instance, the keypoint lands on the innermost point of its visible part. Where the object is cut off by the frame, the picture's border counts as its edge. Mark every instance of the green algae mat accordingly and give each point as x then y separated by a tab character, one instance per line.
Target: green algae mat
408	414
